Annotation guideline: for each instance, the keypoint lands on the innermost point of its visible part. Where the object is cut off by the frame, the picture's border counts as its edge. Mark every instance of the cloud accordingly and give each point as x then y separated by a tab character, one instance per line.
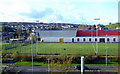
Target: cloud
59	17
70	11
38	14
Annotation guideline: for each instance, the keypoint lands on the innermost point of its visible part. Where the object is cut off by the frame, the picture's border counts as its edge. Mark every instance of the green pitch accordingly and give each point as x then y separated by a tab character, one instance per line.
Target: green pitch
66	48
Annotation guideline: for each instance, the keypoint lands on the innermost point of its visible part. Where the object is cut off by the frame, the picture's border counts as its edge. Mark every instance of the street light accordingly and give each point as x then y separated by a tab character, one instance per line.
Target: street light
32	53
48	64
106	49
37	21
37	44
1	62
96	36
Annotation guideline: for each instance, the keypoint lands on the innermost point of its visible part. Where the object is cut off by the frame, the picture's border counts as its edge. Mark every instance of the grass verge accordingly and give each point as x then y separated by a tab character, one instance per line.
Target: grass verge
42	63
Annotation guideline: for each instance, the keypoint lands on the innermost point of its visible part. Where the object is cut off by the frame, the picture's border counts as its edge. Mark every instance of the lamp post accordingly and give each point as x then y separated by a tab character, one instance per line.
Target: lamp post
1	57
106	50
37	45
96	36
37	21
97	40
48	64
32	54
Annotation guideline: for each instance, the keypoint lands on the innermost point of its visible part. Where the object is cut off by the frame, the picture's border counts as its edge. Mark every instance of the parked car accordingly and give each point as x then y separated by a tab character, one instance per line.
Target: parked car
79	67
85	68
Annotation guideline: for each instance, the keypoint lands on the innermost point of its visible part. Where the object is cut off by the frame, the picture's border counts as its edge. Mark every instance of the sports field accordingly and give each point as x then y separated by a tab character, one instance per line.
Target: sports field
66	48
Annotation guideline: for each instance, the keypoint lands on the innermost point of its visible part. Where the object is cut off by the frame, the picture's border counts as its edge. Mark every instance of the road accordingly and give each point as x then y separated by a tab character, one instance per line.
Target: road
44	68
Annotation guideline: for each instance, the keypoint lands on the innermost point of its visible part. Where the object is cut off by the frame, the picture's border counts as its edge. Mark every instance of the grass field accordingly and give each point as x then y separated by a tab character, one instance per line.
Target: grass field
70	48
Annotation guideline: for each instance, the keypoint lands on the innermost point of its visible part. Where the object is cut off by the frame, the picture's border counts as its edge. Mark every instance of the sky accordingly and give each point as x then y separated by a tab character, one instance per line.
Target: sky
59	11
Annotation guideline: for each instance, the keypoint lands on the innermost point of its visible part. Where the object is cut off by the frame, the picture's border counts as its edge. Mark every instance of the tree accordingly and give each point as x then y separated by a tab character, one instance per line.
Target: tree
3	52
15	55
29	31
19	31
7	29
79	27
94	27
61	64
34	38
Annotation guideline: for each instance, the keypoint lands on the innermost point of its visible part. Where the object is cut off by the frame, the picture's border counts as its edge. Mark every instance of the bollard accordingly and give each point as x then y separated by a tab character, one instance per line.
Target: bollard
82	64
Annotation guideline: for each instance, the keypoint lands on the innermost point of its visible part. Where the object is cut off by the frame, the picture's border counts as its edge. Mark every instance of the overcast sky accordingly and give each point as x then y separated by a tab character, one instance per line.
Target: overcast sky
62	11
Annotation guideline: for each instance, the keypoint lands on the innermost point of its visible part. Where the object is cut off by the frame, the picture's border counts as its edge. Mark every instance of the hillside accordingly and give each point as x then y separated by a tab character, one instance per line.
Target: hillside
112	26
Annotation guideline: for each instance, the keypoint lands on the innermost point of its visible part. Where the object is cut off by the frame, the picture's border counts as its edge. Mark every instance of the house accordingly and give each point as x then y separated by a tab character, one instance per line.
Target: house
118	28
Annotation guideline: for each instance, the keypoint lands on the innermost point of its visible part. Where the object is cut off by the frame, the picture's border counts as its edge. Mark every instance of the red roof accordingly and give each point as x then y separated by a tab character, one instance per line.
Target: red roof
99	33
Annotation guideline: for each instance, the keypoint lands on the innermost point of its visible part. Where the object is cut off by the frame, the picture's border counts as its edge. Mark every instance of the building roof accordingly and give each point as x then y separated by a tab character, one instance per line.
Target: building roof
99	33
57	33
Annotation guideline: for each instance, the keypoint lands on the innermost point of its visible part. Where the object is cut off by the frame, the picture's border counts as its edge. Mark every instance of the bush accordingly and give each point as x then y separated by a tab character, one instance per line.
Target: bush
8	56
26	57
89	59
4	60
94	60
15	56
40	58
76	60
64	61
3	53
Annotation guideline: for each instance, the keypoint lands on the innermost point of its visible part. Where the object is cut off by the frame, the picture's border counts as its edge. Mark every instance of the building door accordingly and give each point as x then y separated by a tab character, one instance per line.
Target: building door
61	40
72	39
102	40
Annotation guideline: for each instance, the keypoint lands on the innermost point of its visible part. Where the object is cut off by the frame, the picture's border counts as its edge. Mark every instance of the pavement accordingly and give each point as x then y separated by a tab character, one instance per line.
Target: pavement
44	68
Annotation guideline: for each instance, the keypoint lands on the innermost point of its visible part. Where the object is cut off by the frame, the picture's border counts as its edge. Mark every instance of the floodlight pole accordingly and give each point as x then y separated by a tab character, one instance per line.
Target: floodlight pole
106	50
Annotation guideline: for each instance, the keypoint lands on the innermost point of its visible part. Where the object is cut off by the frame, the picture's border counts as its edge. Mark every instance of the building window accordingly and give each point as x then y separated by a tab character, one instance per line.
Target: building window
95	39
39	39
78	39
108	39
84	39
114	39
90	39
